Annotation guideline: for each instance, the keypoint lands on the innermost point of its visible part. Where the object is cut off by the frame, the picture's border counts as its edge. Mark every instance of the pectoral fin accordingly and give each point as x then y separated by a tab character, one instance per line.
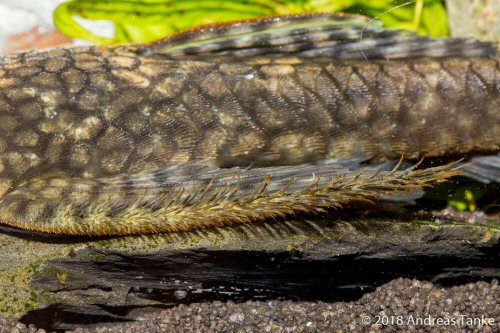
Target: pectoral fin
187	197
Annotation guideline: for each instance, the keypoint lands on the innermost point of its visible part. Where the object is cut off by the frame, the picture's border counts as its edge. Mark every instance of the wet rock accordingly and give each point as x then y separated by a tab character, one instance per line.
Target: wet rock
61	283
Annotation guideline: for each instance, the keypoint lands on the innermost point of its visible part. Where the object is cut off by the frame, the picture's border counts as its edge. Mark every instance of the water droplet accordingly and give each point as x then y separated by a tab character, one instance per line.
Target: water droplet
146	111
180	294
50	112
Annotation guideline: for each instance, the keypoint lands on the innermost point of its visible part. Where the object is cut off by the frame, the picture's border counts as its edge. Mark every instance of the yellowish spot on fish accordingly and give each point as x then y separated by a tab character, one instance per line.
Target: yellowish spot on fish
80	156
33	159
288	61
119	61
275	70
169	87
50	112
52	97
132	77
26	138
55	64
247	142
89	127
152	69
5	186
18	94
88	65
17	162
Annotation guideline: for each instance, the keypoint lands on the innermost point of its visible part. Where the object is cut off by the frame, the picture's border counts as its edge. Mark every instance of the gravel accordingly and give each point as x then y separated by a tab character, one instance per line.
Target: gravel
393	307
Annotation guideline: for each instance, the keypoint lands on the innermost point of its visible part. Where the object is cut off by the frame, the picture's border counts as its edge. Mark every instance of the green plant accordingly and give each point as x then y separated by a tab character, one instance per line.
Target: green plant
147	20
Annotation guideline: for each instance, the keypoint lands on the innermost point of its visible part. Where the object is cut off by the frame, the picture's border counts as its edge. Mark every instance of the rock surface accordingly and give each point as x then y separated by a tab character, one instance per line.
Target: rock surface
60	283
397	305
477	18
393	307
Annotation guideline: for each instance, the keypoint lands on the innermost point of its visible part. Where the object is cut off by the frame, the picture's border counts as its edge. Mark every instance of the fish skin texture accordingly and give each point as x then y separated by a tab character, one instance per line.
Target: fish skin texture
169	137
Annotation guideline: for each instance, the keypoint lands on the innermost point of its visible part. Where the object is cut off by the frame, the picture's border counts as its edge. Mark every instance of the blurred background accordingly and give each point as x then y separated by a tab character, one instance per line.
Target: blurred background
26	24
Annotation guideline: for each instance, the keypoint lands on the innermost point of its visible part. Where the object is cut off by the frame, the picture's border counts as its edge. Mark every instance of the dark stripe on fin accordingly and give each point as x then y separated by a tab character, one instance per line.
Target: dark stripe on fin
311	36
485	169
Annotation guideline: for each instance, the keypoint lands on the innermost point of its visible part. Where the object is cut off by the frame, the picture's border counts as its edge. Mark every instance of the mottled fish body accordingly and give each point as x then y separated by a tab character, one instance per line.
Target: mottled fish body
236	123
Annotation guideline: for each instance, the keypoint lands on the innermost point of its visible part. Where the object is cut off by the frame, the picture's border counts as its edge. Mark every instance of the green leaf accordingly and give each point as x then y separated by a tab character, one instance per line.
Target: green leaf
147	20
462	196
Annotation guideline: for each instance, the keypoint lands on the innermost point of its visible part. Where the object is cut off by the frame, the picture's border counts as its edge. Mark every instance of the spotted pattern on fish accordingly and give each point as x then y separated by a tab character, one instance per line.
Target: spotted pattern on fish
93	137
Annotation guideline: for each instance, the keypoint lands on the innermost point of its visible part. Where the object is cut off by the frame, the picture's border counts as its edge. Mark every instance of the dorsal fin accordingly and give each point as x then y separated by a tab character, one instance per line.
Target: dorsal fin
311	36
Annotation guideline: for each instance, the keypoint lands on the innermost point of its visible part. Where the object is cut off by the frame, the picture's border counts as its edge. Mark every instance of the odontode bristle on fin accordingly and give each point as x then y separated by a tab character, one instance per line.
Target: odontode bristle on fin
311	36
173	200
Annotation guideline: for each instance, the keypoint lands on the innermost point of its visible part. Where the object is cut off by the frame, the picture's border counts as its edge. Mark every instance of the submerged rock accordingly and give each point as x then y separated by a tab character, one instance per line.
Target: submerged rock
62	282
